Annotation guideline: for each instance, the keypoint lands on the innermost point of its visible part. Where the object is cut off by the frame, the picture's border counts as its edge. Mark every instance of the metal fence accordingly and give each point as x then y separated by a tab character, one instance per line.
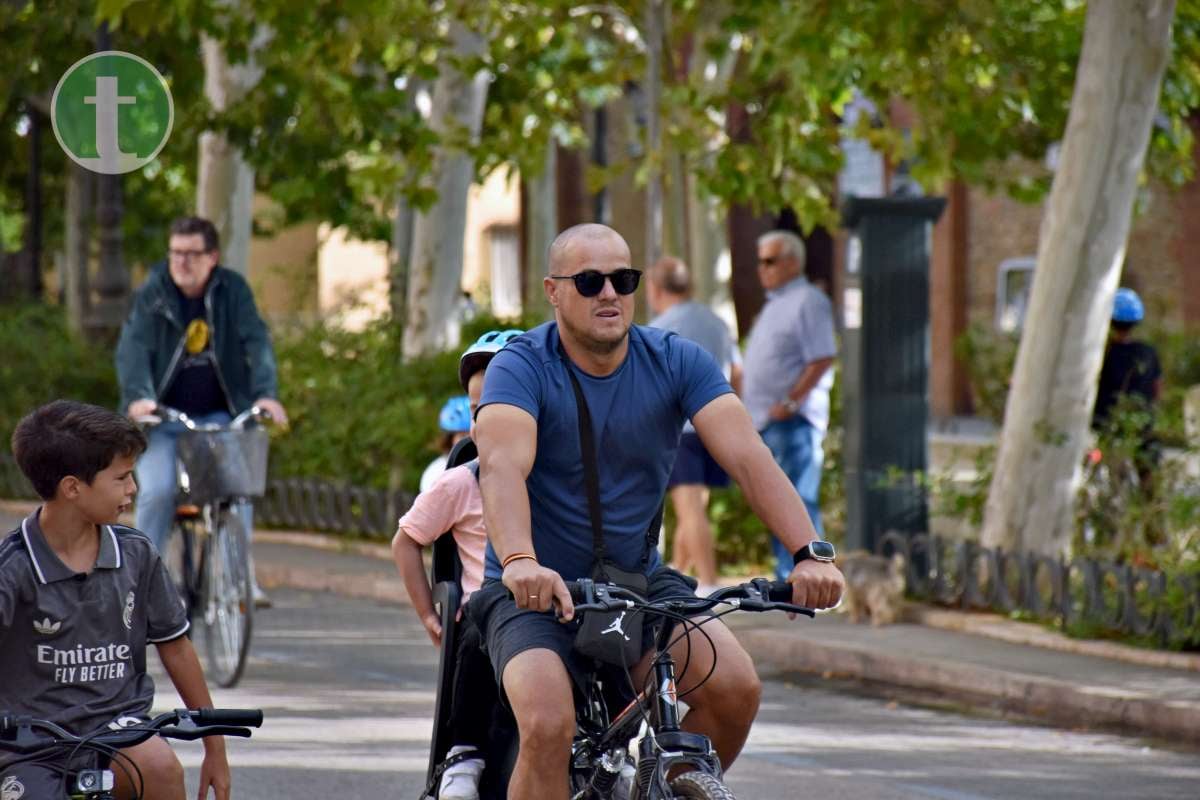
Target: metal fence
1120	598
314	504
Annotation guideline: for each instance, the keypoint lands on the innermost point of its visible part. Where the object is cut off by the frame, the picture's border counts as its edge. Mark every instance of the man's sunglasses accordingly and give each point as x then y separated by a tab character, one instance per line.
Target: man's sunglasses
590	282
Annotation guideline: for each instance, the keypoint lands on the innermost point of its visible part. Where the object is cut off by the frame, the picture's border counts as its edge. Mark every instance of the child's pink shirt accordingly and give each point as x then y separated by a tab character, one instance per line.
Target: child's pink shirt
452	503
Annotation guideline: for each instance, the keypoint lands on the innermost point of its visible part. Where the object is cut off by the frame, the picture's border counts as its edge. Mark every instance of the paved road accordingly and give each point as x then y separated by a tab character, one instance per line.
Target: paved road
346	685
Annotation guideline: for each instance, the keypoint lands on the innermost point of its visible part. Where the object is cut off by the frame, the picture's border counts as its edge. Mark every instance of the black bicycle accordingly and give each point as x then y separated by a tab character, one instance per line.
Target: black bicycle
37	740
603	761
217	468
634	753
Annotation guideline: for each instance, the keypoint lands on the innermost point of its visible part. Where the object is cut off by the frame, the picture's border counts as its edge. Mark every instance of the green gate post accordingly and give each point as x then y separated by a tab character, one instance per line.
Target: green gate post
885	364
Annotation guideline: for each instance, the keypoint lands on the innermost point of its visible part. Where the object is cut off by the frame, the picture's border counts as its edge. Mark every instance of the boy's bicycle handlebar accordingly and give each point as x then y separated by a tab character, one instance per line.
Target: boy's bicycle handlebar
20	734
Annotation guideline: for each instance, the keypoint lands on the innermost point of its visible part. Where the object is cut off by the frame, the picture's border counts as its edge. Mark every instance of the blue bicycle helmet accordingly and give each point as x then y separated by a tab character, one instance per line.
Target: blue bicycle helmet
1128	308
455	416
477	356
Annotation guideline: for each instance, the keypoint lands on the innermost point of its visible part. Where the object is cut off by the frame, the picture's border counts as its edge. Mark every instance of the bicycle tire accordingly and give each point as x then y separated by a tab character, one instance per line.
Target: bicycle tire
187	567
228	600
700	786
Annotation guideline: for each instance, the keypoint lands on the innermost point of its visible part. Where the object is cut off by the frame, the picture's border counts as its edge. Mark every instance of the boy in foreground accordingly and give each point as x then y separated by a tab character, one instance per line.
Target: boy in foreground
80	597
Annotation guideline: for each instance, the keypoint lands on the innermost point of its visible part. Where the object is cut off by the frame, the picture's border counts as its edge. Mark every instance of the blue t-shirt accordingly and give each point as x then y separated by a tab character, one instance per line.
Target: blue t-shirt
637	414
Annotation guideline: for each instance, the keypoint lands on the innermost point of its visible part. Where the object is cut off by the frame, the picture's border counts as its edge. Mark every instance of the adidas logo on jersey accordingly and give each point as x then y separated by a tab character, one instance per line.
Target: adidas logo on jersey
11	789
46	626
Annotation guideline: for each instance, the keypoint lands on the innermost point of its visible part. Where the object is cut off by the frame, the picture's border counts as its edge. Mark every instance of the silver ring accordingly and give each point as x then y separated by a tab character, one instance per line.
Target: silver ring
533	597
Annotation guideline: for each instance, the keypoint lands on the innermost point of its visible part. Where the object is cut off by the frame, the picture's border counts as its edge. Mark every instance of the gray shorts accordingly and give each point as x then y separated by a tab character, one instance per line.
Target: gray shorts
508	630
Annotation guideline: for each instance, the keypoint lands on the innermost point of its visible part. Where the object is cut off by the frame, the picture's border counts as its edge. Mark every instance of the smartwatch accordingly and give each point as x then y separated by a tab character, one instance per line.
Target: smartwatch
817	550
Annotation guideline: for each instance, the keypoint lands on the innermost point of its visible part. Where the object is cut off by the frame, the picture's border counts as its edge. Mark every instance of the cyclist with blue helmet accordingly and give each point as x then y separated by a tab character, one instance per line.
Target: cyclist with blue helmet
453	503
454	421
1131	367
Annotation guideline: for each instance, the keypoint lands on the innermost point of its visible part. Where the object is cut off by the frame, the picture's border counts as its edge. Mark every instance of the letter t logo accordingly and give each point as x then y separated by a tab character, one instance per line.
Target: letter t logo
106	101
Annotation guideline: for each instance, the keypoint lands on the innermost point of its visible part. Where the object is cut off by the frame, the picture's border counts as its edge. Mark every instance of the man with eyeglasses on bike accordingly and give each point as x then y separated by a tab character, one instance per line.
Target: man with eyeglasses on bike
640	385
193	341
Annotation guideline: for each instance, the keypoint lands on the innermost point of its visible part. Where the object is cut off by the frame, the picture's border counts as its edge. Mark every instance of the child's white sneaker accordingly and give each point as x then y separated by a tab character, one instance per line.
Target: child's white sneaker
461	781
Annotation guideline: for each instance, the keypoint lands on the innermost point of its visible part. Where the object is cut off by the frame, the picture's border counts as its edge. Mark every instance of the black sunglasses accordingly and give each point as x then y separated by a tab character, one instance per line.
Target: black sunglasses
590	282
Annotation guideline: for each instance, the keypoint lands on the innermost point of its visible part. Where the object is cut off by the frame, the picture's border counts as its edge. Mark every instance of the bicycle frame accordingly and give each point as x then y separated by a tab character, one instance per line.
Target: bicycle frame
651	719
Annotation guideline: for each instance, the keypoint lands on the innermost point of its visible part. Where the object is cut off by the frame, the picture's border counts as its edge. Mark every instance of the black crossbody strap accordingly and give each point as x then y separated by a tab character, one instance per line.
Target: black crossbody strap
591	477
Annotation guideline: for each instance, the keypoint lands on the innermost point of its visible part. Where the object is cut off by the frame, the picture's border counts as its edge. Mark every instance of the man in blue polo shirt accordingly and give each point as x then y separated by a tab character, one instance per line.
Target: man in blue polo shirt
640	385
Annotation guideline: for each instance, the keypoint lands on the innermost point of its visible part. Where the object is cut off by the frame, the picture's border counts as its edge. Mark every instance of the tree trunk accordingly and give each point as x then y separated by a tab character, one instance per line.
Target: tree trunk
707	234
1081	247
81	188
541	223
33	204
112	277
225	182
401	261
654	29
676	189
435	274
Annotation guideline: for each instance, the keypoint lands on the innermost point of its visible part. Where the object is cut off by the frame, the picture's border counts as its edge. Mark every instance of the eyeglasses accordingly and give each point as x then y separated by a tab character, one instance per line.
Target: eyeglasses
187	255
590	282
769	261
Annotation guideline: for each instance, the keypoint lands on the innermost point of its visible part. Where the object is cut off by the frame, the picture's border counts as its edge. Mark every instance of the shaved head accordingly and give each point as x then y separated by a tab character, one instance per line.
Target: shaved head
567	242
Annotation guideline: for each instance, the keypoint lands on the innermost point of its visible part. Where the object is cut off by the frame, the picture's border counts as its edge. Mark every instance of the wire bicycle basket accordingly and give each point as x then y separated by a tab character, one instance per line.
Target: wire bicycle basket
225	463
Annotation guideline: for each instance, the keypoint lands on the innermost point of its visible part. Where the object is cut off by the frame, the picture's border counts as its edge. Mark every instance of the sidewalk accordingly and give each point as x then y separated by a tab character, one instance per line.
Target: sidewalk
978	660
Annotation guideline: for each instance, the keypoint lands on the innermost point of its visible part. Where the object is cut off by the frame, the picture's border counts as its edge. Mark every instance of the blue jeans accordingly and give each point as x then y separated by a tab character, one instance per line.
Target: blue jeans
156	480
796	445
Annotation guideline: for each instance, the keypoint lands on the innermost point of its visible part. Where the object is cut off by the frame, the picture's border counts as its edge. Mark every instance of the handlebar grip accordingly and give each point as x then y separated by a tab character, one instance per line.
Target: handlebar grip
779	592
575	588
251	717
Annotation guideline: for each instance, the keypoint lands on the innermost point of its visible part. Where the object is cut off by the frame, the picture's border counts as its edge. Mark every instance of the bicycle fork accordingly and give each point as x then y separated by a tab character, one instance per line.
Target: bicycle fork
663	746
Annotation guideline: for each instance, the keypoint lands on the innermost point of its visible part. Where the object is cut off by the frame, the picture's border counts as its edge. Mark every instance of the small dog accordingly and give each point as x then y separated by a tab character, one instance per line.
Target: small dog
874	586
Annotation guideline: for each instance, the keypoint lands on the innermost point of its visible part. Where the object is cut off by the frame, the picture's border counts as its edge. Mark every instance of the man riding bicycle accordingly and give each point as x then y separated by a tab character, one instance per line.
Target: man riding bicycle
193	341
640	385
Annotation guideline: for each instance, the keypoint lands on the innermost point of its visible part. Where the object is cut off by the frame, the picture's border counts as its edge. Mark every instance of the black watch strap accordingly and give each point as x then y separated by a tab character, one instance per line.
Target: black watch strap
817	550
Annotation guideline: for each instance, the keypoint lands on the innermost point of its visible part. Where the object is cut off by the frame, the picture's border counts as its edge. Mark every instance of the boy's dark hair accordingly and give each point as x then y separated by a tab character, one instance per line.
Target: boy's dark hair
1124	327
69	438
187	226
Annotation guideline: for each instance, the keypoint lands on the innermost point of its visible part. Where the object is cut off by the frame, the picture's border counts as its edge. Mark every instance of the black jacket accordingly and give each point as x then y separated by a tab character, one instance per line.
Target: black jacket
152	340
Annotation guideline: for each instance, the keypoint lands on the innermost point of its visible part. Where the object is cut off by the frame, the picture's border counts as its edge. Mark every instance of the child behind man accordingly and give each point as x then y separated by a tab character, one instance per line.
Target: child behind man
71	580
454	503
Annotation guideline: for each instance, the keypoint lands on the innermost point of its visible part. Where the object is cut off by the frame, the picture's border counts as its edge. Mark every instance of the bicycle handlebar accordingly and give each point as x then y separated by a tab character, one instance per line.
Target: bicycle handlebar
163	414
17	732
758	594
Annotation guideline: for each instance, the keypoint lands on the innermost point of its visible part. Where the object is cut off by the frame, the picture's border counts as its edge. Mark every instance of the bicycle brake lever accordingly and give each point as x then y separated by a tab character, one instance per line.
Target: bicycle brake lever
192	733
795	609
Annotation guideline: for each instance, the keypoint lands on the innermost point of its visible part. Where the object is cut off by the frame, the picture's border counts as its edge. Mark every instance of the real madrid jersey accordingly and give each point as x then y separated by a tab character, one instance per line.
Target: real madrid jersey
73	645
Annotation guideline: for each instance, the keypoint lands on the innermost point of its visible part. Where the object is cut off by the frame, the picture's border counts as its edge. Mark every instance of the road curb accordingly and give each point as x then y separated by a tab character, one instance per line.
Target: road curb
1062	703
973	622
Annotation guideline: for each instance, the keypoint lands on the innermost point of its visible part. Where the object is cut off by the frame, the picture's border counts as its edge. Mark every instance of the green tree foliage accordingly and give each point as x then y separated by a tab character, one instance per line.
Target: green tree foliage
331	130
985	81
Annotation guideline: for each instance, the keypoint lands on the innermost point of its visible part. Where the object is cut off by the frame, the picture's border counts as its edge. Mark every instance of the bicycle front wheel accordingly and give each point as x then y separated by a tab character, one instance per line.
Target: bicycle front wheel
228	602
700	786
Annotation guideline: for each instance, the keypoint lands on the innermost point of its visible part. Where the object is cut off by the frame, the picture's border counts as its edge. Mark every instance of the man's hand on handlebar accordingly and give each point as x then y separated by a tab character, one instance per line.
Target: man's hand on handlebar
816	584
537	588
273	408
141	408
